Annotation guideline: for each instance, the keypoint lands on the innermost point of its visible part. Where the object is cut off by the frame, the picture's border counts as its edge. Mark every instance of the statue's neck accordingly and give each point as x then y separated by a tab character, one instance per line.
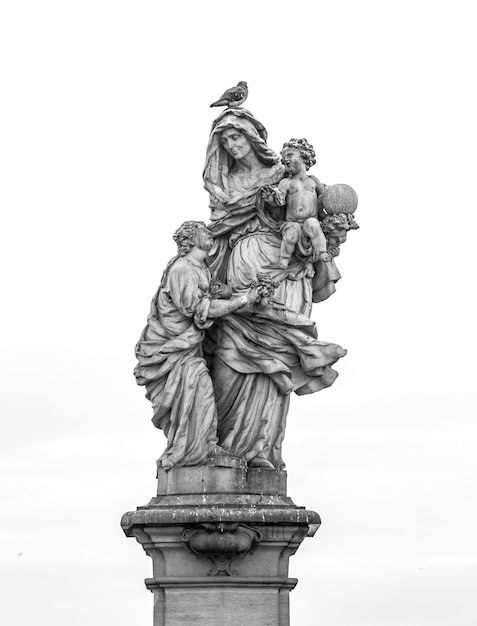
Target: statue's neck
197	255
248	164
300	175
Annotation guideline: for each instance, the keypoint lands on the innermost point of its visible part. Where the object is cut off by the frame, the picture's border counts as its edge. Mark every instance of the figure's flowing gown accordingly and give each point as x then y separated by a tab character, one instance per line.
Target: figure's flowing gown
263	355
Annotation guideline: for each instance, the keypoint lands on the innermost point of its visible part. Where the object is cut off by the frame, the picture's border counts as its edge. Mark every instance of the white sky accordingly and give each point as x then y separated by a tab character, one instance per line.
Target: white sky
104	124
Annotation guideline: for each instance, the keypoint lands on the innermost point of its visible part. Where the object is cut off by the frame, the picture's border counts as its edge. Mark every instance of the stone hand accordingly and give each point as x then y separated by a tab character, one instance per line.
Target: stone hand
218	289
272	195
267	193
334	250
324	256
254	294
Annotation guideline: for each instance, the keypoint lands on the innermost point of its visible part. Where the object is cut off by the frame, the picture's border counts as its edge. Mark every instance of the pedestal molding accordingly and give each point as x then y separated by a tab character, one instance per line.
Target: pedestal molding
222	581
247	533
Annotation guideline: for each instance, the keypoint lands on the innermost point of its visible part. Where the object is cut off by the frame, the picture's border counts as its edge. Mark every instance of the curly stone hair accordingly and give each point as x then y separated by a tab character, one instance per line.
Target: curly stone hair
184	236
305	149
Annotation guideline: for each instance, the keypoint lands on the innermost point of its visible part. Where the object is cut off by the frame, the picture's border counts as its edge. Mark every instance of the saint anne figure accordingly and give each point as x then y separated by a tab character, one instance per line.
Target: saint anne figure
260	356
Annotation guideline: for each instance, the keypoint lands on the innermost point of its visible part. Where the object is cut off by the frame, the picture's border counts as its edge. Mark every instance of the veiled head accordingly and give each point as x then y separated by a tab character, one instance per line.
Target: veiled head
234	133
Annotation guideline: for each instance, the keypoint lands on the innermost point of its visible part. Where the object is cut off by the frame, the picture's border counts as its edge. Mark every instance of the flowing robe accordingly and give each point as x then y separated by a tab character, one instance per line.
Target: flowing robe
261	357
172	367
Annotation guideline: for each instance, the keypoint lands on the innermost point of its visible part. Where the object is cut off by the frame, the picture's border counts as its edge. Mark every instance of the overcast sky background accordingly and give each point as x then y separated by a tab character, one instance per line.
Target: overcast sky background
104	124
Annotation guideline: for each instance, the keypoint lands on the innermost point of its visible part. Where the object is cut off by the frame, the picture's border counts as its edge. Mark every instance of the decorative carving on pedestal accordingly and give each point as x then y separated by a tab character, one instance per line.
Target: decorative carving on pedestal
222	543
238	520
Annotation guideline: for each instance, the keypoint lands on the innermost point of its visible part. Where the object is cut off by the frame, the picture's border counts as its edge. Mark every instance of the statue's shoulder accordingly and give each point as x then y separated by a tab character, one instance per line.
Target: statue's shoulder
319	185
180	264
182	268
179	268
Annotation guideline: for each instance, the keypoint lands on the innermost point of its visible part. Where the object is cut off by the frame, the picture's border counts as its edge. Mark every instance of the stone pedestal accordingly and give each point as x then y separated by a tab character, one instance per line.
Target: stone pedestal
220	539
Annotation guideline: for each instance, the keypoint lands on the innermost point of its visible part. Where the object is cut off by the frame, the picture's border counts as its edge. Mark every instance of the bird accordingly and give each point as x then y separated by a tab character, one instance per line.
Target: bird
233	97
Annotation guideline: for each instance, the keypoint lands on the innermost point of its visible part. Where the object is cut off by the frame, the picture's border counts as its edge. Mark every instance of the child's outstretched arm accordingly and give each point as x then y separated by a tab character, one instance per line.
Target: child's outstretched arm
276	195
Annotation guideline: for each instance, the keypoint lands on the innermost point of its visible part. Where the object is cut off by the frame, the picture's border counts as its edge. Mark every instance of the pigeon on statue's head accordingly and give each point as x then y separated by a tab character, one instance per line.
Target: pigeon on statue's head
233	97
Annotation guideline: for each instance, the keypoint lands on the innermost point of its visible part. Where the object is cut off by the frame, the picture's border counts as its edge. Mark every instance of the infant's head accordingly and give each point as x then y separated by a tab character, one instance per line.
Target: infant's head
303	148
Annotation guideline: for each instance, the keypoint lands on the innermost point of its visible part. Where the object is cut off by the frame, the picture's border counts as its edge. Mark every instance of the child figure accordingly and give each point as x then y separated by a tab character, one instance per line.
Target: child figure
299	193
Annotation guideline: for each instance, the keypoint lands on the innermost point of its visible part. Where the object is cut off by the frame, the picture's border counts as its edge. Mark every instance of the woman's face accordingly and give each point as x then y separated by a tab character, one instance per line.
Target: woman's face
235	143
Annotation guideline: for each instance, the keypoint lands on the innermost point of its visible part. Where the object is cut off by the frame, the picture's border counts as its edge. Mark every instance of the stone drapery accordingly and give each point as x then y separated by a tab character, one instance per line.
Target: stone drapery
172	367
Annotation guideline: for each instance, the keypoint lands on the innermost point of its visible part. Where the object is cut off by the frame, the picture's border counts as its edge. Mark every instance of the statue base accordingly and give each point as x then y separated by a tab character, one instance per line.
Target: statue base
220	539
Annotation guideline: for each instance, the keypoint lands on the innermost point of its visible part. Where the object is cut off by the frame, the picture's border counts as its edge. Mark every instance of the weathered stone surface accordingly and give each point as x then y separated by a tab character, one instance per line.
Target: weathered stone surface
212	479
220	557
228	339
263	353
239	293
169	351
300	194
193	495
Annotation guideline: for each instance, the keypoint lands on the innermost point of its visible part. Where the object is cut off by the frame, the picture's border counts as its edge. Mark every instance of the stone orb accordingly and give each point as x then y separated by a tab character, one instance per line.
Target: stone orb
339	199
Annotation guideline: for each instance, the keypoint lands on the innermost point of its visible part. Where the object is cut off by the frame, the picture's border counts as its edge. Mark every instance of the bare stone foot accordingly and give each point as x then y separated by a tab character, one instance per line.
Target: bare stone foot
258	461
167	464
220	457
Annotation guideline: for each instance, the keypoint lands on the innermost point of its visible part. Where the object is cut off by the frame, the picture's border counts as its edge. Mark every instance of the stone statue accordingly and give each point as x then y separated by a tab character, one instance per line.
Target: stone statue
300	194
171	363
259	356
219	372
228	339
